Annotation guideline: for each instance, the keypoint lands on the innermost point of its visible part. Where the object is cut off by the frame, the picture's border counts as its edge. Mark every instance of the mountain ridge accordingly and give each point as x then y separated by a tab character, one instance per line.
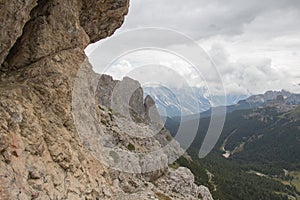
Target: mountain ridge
253	101
174	102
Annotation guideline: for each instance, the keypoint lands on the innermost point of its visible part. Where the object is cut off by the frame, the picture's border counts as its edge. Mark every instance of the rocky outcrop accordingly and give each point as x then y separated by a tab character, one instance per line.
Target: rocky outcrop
127	98
151	111
42	45
165	183
105	87
154	178
41	153
45	28
13	16
179	184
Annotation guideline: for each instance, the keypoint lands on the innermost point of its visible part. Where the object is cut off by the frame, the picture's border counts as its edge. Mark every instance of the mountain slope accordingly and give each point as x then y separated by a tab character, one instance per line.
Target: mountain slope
256	157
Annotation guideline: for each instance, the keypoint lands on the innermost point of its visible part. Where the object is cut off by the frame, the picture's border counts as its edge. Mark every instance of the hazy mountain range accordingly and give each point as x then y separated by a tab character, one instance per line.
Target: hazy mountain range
192	101
187	101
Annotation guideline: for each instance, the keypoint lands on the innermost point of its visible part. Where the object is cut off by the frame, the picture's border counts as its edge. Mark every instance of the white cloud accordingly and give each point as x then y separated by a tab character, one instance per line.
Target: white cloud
156	67
255	44
253	72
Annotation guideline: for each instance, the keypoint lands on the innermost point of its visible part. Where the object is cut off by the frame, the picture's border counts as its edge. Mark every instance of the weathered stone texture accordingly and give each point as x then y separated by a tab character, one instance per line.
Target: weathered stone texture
41	155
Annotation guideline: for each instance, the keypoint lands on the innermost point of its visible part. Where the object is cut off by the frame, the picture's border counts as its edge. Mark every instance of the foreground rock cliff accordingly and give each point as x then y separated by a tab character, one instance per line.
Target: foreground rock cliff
41	154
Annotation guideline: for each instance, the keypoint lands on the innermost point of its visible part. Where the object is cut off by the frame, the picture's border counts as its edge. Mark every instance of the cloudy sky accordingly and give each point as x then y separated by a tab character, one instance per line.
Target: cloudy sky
254	45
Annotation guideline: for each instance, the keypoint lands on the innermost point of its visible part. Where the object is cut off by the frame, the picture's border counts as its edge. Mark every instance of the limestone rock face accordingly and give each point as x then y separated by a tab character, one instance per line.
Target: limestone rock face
41	153
54	26
48	27
151	112
144	137
42	48
13	16
179	184
121	96
105	88
127	98
101	18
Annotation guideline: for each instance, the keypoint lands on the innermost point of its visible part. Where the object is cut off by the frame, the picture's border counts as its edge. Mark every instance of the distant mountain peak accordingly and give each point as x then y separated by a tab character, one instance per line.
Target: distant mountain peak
272	96
188	101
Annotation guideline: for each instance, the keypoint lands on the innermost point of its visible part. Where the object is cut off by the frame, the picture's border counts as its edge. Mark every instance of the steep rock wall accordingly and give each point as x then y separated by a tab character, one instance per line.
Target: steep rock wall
41	154
42	47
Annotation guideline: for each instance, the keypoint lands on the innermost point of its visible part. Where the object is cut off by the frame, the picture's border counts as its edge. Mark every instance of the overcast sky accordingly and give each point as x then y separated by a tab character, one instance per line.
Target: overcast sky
255	44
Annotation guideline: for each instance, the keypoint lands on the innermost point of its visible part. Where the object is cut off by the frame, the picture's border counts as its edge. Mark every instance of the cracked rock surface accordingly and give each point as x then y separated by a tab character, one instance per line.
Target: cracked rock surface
41	155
